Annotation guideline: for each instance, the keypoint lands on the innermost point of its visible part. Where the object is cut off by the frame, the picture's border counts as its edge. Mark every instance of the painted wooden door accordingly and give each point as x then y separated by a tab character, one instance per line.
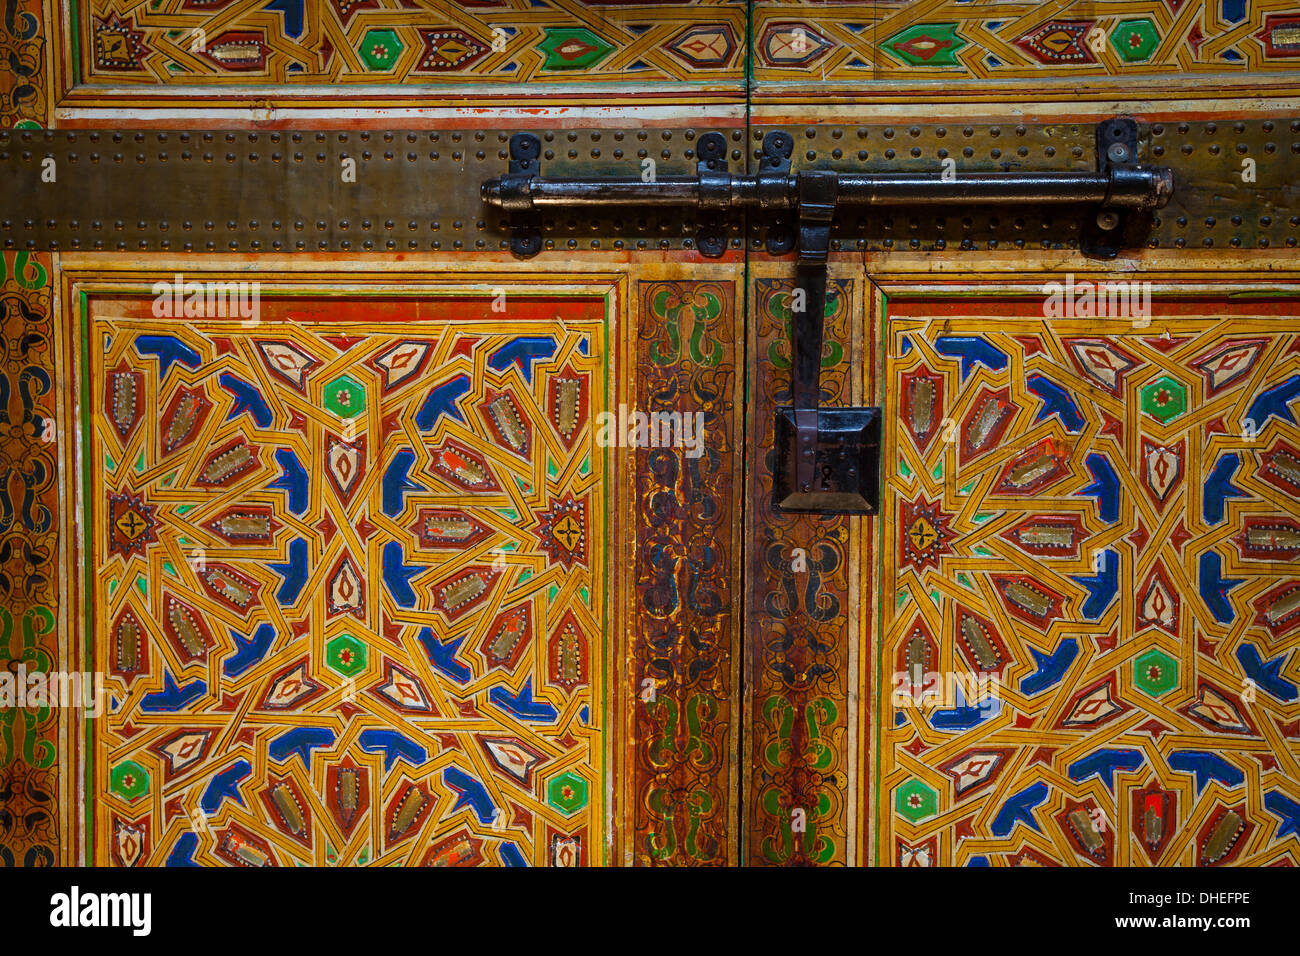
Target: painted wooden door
388	546
1064	640
416	552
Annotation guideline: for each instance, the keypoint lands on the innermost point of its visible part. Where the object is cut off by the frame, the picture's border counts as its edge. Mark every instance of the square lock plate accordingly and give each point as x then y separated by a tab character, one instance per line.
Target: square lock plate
846	472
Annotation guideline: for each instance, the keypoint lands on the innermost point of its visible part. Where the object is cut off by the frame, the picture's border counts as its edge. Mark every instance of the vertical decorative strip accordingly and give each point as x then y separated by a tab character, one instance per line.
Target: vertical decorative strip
23	65
800	619
29	577
687	609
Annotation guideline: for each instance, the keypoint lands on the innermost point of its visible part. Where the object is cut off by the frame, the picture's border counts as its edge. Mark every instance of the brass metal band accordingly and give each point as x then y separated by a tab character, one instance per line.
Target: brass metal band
287	191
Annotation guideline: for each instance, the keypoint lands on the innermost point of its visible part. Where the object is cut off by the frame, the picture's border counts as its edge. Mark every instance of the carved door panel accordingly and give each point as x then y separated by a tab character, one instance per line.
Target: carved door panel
380	574
405	525
1088	526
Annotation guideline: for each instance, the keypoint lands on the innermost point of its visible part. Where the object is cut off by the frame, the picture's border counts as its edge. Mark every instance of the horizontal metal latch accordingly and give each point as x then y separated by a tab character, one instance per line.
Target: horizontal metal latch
1120	187
828	459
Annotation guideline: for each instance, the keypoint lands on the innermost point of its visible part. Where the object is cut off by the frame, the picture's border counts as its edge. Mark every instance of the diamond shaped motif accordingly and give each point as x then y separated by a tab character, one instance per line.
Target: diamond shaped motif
915	801
1156	673
706	45
926	44
573	49
567	793
380	49
793	45
345	397
446	50
1164	399
346	655
1059	41
238	50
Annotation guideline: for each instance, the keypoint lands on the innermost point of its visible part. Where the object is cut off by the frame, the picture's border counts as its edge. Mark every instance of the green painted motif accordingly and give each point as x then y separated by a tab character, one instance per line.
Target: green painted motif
572	49
797	826
27	270
380	49
1155	672
926	44
779	307
821	714
1164	399
129	780
686	315
671	808
345	397
1135	40
780	847
24	724
567	793
346	655
916	800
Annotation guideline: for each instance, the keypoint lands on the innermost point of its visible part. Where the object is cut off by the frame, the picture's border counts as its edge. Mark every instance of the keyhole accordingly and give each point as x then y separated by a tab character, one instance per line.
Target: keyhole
826	477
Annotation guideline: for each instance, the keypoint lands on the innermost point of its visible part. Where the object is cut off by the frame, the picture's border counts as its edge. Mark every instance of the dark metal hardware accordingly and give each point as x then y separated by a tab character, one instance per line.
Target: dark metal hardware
525	160
774	164
828	458
1113	228
711	239
1120	187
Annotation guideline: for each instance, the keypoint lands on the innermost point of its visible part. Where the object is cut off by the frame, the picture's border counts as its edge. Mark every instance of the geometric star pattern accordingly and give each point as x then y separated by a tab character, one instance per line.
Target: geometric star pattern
334	621
987	44
1104	660
312	42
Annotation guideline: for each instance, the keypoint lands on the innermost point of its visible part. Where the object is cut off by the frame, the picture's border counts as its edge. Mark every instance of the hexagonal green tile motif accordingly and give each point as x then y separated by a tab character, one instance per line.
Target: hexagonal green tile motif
346	655
1164	399
129	780
567	793
1156	673
345	397
572	49
1135	40
915	801
380	49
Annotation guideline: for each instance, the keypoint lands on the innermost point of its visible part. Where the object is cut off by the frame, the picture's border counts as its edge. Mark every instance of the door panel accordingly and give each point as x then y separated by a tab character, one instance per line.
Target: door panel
370	531
684	667
1085	542
316	53
33	566
392	573
1026	51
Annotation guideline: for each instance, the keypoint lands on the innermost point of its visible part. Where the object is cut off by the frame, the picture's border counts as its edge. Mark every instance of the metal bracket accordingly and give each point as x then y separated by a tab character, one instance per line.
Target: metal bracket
1112	229
525	160
773	170
828	459
715	194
